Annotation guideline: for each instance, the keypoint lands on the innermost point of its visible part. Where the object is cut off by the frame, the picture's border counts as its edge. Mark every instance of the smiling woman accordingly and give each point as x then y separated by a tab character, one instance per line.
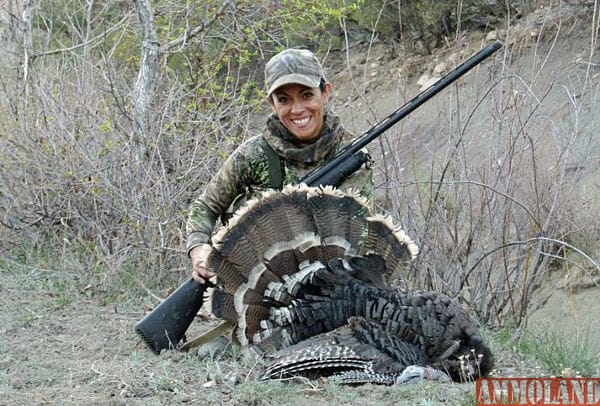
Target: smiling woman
298	92
301	109
301	134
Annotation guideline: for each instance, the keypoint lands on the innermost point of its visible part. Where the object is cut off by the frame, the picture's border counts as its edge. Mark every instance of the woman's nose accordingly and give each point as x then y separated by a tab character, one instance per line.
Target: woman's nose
297	106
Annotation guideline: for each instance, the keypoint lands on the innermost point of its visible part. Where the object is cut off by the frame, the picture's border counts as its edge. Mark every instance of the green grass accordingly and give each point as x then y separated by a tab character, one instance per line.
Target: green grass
562	353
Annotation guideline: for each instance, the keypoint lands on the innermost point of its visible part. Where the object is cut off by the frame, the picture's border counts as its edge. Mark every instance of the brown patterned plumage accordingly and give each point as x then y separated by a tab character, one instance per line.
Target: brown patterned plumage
303	274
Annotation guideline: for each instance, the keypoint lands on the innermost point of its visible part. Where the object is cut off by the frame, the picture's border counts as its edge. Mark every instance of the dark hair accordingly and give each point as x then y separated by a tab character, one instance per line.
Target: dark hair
322	85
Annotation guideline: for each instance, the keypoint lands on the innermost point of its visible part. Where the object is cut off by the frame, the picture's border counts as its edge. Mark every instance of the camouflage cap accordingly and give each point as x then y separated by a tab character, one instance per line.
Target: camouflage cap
293	66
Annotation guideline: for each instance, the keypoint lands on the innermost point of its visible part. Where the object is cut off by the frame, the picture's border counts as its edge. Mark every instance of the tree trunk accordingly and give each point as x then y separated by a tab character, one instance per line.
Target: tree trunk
26	16
144	92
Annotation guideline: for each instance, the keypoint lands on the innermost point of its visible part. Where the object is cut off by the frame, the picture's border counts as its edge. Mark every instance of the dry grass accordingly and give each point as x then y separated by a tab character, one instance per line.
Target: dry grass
85	353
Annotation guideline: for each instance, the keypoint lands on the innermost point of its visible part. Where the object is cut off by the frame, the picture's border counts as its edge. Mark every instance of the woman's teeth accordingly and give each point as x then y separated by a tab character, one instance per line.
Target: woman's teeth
301	122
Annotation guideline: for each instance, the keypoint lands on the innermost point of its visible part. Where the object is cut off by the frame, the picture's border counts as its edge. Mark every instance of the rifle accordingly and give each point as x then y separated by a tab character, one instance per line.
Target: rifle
166	325
350	158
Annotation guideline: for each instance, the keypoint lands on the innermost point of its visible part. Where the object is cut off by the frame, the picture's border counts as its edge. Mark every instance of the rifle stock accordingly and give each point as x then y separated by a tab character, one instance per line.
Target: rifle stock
166	325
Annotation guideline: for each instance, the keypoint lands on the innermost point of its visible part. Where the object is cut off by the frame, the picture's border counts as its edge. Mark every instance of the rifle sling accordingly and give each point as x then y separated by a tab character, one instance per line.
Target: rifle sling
276	168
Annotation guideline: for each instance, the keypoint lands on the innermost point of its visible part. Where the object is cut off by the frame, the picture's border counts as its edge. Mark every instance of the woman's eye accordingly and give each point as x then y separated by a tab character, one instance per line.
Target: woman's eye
281	99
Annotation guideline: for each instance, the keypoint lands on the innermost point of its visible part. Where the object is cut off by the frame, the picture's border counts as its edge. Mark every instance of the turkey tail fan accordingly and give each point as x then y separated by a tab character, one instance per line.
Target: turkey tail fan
282	229
261	224
389	241
268	240
336	214
222	305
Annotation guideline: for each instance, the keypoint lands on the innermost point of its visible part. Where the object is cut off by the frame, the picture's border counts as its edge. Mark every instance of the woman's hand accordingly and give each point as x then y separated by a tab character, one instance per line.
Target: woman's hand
200	272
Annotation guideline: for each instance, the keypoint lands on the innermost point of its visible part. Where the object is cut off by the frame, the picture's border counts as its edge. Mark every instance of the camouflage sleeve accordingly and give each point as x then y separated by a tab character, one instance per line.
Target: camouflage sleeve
239	172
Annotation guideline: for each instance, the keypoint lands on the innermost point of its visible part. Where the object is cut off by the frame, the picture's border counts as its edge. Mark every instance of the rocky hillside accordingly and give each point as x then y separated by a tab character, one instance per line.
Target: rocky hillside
550	68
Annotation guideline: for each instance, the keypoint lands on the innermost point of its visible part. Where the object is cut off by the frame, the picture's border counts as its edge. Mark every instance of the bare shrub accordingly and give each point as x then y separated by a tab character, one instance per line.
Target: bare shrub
78	176
491	185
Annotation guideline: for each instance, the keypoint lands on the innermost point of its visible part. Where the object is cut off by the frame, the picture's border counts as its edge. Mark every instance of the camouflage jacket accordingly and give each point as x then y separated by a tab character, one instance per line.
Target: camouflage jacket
246	173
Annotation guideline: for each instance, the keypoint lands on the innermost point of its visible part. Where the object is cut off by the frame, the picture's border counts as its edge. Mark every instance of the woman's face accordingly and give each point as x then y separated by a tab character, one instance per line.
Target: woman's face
301	109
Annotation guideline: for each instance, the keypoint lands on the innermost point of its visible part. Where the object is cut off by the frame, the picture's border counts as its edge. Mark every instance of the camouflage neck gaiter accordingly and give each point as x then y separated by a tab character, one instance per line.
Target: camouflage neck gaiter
286	145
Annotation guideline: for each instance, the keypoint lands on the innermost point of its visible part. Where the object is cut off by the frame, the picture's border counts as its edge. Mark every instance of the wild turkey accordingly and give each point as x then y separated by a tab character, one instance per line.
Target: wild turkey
304	275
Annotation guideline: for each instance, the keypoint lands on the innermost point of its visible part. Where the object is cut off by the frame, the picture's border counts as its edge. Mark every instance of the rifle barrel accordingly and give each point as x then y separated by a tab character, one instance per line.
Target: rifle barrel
400	113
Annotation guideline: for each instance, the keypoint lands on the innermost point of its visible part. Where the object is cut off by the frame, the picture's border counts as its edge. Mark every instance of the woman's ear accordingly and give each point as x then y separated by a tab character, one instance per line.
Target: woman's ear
327	95
328	90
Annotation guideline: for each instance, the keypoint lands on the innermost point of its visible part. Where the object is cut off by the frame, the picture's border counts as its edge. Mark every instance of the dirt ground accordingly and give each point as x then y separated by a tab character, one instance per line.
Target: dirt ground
59	345
62	343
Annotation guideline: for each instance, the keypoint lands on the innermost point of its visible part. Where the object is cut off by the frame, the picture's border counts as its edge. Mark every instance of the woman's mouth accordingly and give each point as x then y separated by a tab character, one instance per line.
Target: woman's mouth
301	122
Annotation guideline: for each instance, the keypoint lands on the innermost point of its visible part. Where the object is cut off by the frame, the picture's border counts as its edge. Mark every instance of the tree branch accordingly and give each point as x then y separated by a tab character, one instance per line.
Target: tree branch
187	35
83	44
